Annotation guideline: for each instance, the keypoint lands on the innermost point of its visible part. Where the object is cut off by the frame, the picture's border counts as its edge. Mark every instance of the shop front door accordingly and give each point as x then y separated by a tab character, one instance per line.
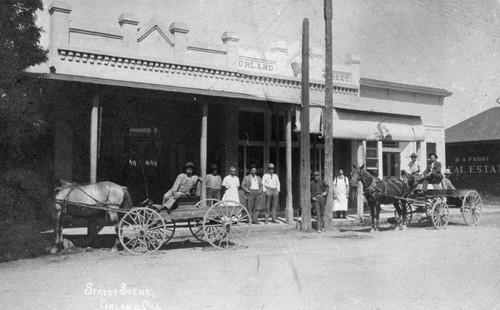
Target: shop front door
391	164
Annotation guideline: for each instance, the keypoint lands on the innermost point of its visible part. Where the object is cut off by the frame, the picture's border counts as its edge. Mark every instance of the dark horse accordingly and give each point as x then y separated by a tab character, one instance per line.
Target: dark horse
379	192
88	201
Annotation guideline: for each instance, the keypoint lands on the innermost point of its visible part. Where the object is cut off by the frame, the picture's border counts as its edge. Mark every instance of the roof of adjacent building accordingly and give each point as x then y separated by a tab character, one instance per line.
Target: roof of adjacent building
481	127
404	87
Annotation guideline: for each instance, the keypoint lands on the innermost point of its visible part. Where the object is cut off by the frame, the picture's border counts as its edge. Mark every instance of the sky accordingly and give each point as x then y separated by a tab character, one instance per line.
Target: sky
448	44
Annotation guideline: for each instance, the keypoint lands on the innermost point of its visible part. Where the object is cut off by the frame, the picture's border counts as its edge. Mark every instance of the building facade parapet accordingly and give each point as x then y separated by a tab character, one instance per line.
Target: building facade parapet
130	43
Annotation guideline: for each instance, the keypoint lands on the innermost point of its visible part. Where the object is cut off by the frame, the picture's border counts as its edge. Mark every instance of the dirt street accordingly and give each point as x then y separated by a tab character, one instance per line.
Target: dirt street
420	268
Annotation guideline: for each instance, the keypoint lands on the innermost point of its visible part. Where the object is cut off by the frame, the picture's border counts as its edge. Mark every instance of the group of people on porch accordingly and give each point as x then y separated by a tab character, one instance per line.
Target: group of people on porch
261	195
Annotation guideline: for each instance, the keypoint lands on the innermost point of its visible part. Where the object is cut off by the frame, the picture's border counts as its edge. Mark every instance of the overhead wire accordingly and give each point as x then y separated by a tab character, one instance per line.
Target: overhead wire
454	17
259	37
398	37
462	13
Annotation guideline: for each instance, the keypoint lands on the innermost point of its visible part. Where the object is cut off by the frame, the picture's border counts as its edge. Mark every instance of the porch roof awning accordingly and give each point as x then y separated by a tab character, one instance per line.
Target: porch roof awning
149	86
368	125
372	125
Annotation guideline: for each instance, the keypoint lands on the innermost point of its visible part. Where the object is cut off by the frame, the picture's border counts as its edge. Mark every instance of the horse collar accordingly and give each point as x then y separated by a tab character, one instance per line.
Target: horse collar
370	189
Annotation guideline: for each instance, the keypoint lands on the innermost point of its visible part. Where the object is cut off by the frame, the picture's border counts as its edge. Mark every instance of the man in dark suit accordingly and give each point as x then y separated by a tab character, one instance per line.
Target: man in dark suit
319	190
432	174
252	186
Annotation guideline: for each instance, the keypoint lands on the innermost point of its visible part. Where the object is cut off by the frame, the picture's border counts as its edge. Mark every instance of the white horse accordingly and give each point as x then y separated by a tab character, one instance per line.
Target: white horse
88	201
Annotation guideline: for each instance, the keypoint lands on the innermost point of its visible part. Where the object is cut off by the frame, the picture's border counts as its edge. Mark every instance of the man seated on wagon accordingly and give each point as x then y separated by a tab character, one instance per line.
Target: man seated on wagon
183	185
446	183
432	174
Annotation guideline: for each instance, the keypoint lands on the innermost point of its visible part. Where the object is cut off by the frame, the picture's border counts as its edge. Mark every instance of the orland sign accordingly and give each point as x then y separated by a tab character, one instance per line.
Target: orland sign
474	165
256	65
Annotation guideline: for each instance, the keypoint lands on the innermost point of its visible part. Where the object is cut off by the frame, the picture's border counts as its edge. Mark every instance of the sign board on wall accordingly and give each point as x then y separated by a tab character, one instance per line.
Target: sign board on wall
474	165
256	65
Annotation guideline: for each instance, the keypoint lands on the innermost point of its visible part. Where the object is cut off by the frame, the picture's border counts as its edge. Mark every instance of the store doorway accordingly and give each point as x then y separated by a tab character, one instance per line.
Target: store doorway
391	164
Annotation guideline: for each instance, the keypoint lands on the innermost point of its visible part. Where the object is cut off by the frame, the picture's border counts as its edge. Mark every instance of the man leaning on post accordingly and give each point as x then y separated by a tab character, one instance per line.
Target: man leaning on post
319	191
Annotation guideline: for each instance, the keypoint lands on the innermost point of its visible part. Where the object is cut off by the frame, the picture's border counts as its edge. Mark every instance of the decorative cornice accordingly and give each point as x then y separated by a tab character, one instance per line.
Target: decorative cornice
151	26
72	55
59	6
128	18
206	50
96	33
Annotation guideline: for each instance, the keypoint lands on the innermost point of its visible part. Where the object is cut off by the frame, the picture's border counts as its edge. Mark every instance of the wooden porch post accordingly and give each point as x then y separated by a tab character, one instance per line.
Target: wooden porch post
380	158
203	151
361	154
267	139
94	130
289	196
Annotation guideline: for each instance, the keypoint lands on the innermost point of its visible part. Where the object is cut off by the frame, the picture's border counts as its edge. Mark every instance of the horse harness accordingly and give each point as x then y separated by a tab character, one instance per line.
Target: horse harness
372	189
98	204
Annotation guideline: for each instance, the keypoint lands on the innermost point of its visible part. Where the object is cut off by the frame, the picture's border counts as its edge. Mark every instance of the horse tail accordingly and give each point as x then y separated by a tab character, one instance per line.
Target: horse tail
127	199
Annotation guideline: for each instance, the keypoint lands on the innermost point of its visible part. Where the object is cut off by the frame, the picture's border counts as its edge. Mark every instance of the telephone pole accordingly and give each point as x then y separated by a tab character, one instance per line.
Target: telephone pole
305	148
328	115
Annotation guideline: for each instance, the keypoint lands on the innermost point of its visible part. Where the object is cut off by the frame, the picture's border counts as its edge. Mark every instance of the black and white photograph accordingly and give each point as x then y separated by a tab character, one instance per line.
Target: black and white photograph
238	154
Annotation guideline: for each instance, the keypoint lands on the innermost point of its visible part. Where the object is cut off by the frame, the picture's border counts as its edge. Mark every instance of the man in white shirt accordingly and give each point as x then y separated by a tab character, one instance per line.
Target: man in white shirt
271	186
413	166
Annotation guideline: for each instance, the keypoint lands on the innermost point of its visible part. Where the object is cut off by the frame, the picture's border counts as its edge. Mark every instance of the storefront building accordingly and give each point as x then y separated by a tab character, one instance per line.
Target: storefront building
473	152
134	100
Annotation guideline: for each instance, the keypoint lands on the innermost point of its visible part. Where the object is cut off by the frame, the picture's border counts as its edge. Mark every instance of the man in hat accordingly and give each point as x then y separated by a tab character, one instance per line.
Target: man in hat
319	190
252	186
271	186
182	187
446	183
432	173
413	166
213	183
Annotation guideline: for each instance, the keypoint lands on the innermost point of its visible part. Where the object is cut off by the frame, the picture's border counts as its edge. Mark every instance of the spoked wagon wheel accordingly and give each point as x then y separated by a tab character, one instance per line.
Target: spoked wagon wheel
225	224
407	214
471	207
440	214
206	203
196	228
196	225
143	230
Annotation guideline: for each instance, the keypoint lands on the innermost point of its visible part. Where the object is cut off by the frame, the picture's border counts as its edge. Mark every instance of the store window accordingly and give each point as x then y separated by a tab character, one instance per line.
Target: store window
431	148
371	158
251	126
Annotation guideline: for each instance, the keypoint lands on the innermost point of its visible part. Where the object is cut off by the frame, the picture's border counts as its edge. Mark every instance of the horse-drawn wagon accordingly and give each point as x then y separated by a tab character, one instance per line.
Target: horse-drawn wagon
144	229
436	204
407	200
223	224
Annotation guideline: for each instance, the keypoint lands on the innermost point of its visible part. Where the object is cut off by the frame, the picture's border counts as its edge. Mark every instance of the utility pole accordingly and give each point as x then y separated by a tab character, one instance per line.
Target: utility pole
305	148
328	116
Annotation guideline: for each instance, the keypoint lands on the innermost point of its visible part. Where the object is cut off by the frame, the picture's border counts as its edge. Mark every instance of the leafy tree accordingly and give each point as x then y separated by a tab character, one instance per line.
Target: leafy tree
24	138
21	117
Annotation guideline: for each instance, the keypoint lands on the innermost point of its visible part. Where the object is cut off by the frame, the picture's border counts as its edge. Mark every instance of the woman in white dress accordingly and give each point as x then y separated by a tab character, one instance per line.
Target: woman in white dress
231	183
341	194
